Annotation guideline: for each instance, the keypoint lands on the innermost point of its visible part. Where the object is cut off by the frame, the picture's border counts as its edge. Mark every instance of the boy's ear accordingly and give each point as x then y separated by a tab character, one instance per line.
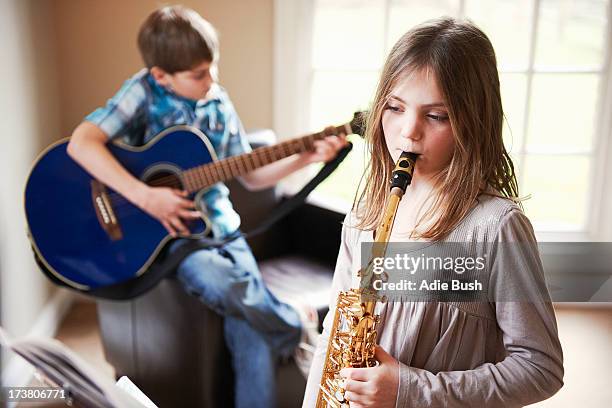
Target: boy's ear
160	75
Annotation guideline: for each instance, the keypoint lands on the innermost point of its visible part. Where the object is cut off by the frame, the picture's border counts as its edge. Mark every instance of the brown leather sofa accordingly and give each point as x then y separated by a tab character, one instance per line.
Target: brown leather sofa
171	345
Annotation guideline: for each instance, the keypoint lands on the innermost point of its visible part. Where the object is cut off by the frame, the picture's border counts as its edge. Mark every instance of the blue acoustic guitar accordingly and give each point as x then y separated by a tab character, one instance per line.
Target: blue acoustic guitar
88	236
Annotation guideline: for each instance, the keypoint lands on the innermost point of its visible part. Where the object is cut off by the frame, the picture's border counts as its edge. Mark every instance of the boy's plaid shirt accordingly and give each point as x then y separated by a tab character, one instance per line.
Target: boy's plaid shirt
142	109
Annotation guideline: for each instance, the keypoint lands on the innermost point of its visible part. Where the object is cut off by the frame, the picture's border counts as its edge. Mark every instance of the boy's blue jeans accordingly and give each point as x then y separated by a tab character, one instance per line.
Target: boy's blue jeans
257	327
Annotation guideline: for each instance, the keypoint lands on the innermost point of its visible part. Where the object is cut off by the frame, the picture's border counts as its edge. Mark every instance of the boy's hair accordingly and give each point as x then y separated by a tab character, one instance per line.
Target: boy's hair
176	38
462	60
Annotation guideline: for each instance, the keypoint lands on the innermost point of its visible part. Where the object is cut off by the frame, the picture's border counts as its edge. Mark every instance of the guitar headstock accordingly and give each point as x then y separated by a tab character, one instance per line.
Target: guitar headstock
356	126
358	123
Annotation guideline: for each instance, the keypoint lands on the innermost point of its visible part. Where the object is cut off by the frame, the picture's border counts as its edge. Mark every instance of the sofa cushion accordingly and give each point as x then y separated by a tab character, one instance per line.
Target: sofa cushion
294	278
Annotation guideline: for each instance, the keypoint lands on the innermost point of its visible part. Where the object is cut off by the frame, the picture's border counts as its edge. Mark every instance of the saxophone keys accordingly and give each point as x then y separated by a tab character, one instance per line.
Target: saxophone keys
340	397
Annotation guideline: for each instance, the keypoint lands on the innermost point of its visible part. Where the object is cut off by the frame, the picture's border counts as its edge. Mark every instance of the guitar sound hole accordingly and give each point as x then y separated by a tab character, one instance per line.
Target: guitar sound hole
168	178
164	178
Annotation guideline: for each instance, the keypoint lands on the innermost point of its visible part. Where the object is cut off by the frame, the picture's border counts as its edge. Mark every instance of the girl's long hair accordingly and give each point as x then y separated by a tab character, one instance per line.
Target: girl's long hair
462	60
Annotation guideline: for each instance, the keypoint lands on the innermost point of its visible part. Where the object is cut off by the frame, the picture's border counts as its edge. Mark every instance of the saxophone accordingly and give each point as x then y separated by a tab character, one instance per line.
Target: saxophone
353	335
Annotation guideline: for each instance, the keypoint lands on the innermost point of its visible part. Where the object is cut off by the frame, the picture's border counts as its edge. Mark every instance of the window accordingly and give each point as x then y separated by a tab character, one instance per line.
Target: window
554	63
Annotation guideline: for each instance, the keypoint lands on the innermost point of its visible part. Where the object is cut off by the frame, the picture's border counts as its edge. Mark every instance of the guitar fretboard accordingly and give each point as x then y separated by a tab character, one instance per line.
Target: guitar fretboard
206	175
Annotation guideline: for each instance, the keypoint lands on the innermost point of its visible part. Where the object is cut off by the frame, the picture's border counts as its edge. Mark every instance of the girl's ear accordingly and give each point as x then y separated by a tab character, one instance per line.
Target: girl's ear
161	76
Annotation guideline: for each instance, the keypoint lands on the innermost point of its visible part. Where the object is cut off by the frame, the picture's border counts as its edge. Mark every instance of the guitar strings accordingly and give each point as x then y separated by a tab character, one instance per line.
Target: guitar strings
119	202
206	173
263	154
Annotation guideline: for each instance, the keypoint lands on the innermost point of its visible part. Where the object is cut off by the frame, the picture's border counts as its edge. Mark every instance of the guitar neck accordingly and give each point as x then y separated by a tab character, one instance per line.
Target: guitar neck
206	175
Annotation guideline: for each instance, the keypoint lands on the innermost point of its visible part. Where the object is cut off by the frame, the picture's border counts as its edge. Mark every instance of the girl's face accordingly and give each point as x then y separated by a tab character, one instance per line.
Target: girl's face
415	119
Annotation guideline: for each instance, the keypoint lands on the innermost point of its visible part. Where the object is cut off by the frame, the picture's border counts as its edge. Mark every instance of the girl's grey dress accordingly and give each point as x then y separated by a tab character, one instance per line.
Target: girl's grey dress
500	353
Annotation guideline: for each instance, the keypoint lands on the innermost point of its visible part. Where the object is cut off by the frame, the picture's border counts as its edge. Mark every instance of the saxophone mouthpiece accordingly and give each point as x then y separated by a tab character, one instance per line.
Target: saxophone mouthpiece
410	155
403	171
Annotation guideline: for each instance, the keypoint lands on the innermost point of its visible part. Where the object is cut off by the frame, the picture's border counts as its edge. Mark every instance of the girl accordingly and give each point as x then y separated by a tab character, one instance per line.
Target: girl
439	96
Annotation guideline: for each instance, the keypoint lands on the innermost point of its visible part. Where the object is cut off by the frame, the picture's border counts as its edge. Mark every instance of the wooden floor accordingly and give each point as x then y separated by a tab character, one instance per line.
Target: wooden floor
585	333
586	338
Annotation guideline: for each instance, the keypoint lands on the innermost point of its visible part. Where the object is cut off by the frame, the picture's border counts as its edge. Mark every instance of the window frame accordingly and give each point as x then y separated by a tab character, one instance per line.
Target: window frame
294	73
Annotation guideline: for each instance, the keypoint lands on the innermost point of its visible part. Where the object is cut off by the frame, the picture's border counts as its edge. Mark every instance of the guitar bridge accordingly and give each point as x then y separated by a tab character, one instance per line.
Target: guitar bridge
104	211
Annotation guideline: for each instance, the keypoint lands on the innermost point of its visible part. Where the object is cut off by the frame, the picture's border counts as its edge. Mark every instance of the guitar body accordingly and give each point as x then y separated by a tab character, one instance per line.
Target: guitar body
87	235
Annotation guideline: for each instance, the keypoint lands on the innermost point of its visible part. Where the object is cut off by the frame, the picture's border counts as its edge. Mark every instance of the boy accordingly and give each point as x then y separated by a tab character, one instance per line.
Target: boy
180	51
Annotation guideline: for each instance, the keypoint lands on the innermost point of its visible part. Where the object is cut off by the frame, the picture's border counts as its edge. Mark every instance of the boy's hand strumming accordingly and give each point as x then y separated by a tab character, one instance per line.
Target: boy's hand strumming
169	206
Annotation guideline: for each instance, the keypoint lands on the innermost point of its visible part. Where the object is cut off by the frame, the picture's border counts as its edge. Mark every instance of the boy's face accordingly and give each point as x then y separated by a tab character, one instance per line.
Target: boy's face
192	84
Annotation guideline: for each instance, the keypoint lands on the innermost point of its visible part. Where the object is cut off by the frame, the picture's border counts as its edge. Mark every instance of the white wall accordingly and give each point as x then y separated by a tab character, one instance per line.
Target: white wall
97	51
30	117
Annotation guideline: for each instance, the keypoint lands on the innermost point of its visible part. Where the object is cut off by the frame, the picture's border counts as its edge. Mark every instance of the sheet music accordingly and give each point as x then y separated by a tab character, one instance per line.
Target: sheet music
63	368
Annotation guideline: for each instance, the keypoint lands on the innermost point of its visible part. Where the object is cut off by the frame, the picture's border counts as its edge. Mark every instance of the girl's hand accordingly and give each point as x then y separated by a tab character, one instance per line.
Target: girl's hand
375	386
169	206
326	149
